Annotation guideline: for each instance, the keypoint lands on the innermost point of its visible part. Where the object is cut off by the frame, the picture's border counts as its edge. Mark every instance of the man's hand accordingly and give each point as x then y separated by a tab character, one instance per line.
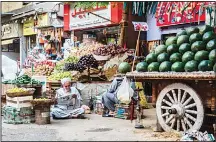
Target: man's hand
74	96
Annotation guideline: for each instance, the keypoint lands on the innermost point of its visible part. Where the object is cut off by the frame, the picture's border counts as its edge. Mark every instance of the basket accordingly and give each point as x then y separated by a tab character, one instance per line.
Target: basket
47	102
21	94
101	58
110	72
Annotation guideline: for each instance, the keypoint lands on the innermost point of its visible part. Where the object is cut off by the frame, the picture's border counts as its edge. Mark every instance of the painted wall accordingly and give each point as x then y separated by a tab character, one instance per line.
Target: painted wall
154	32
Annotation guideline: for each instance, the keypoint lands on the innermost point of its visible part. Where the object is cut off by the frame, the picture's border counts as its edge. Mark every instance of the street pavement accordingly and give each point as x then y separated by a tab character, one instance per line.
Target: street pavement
94	128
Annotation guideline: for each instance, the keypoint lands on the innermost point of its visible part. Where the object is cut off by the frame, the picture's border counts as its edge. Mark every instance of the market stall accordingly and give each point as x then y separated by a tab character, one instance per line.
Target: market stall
182	73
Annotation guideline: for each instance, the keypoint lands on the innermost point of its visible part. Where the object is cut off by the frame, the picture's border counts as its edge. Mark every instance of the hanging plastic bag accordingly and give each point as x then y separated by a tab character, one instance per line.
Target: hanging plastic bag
125	92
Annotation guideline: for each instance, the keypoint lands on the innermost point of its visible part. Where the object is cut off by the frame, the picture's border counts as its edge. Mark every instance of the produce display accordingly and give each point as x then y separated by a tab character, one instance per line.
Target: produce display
60	64
124	67
44	68
191	50
85	49
110	49
24	79
83	63
15	92
60	75
42	101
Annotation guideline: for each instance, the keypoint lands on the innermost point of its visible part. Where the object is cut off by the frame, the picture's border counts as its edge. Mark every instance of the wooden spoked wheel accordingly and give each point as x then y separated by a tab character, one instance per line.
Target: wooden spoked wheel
179	108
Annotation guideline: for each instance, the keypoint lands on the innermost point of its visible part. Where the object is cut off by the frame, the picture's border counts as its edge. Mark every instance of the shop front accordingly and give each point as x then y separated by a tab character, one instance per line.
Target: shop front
98	25
10	47
49	34
29	34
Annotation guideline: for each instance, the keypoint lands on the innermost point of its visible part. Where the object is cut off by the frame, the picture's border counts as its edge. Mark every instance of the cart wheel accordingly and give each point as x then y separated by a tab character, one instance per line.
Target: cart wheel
179	108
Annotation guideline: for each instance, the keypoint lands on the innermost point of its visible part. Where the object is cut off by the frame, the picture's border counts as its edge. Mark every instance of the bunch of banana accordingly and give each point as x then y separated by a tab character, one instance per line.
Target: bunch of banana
17	90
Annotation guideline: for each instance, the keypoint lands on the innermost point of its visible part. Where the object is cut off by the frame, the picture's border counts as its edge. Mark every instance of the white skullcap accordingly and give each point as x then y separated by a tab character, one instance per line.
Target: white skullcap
64	80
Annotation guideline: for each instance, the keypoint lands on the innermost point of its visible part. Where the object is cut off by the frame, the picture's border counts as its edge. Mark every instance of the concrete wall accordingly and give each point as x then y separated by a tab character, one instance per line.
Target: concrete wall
10	6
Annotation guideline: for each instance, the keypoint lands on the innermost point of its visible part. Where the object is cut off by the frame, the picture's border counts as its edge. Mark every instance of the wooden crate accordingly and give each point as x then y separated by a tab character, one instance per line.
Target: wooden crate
6	87
19	102
12	115
42	114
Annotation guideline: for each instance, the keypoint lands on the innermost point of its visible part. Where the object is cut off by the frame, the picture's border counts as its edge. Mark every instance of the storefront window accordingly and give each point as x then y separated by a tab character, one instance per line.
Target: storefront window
11	48
4	48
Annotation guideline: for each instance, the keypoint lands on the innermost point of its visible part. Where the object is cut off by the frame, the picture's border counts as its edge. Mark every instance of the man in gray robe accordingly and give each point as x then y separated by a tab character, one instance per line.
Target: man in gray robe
109	98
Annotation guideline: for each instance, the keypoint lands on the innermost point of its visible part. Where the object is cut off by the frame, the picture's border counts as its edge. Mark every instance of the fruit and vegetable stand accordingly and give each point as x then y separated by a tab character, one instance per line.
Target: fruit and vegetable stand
182	99
182	73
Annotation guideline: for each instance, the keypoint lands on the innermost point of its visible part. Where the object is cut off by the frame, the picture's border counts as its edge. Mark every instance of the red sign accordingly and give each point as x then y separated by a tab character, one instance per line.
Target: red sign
170	13
140	26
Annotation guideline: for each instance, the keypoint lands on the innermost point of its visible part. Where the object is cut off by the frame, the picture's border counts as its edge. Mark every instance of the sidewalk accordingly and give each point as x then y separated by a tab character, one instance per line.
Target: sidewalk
95	128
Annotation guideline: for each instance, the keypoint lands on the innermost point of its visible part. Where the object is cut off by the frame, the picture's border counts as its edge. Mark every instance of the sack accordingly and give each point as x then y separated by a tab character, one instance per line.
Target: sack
125	92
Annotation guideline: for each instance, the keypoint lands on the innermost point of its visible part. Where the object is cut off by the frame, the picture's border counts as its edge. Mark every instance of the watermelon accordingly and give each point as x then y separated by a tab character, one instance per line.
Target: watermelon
208	36
162	57
182	32
151	57
195	37
212	56
184	48
205	65
160	49
175	57
182	39
211	45
124	67
177	67
205	29
191	66
154	66
172	48
165	66
192	30
171	40
201	55
187	56
197	46
142	67
214	68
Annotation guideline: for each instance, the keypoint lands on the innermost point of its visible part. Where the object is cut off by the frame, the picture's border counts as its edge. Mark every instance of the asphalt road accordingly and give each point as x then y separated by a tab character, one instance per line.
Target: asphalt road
94	128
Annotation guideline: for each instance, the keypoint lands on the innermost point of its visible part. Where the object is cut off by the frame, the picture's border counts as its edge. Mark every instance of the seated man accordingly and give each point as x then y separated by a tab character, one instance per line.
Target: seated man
68	102
109	98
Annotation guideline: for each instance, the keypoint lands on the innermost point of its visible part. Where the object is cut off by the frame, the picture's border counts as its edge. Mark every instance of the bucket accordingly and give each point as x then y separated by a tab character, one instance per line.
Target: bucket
42	114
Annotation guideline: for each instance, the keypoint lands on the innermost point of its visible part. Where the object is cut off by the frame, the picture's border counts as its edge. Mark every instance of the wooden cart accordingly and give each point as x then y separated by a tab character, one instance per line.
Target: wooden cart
183	100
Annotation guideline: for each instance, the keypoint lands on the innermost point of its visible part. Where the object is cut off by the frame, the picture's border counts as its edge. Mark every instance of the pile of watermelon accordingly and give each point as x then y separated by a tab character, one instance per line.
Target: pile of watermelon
190	50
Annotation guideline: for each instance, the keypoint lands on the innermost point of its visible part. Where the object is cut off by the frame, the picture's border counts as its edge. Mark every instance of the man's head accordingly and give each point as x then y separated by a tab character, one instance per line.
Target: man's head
66	83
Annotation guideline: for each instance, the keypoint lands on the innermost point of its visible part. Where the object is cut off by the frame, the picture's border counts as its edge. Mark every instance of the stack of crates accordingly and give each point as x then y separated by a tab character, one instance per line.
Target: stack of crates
18	110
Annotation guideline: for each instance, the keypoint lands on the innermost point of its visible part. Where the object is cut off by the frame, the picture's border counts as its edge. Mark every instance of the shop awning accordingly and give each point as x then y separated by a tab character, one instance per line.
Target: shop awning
9	41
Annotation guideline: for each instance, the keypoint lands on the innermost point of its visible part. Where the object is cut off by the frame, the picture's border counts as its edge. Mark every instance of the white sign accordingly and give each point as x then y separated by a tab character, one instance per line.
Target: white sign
88	20
11	30
140	26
